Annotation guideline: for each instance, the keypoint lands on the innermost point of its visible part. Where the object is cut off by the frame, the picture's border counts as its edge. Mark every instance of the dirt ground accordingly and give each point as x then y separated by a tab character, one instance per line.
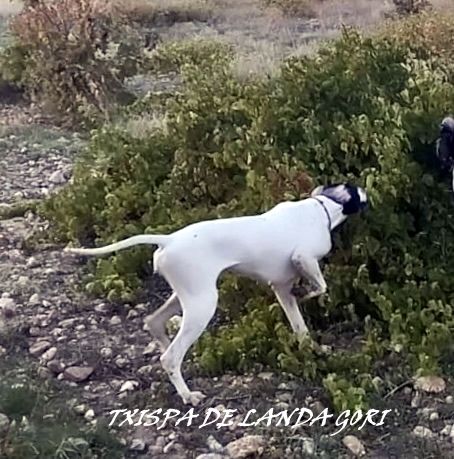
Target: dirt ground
96	353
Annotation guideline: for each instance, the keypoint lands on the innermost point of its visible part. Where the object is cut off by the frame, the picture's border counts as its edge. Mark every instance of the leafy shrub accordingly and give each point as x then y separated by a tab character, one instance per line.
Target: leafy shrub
13	64
425	34
174	55
363	109
76	56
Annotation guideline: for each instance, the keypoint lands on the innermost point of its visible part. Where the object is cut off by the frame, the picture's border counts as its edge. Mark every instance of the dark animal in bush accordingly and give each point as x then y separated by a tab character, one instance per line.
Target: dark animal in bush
277	248
445	146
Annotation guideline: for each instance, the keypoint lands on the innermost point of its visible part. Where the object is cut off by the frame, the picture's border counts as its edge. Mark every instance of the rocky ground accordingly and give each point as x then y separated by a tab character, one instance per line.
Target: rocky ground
101	359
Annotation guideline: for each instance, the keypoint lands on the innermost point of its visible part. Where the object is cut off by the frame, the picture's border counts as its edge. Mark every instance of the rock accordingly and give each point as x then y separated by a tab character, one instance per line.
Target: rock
102	308
265	375
211	456
32	263
106	352
434	416
132	314
129	386
34	300
354	445
8	307
416	400
39	348
80	409
4	424
55	366
67	323
137	445
214	445
430	384
34	331
78	374
146	370
57	178
89	415
49	354
448	431
115	320
121	362
245	446
308	446
23	281
449	400
422	432
174	323
150	349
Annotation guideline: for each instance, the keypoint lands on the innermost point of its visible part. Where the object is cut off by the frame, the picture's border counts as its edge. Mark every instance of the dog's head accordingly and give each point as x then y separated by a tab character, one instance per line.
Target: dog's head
353	199
445	144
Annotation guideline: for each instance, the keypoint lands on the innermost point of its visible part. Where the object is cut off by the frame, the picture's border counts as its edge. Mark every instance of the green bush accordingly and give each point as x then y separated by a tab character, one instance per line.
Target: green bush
363	109
44	425
72	56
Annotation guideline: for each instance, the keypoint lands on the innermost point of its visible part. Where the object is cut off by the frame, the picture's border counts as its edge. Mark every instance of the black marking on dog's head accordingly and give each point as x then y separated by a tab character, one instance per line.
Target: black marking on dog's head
353	199
445	144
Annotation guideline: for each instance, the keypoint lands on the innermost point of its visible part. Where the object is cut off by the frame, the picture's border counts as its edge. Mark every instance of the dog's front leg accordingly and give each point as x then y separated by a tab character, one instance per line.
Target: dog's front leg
290	306
310	270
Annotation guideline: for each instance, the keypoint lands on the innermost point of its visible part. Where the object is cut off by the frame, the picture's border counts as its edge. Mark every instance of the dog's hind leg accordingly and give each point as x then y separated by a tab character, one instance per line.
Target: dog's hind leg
290	306
156	323
198	309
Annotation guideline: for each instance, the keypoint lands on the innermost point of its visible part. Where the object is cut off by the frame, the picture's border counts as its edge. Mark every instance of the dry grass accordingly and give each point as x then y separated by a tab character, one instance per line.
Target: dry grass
166	11
7	7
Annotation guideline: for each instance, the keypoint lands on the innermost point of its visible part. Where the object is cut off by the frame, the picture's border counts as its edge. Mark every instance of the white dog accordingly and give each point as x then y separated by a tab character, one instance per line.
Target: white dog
277	247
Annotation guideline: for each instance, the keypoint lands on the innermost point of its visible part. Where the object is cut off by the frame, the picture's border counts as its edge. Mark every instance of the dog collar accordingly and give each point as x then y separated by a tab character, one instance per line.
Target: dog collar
326	212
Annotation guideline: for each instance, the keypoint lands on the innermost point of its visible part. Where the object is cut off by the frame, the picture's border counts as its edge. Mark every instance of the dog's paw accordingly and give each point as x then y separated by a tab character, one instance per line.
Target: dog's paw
194	398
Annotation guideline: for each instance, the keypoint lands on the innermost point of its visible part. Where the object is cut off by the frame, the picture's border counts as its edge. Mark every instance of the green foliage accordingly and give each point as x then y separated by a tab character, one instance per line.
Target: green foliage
174	55
43	426
12	64
364	110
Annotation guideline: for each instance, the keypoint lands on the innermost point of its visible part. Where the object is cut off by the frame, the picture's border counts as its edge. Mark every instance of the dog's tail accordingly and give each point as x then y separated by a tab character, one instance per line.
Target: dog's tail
151	239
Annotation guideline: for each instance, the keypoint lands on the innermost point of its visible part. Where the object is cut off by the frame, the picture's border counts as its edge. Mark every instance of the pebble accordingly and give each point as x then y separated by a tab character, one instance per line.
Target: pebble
49	354
308	446
57	177
137	445
4	423
422	432
129	386
78	374
430	384
89	415
246	446
39	348
115	320
354	445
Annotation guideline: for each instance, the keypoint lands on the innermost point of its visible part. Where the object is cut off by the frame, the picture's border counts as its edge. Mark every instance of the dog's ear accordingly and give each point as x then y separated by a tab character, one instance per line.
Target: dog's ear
317	191
357	201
